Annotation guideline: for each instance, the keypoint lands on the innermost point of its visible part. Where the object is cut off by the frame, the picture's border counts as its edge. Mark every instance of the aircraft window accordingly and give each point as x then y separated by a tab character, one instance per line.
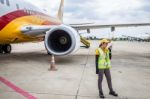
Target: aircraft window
30	12
7	2
2	1
25	10
17	6
34	12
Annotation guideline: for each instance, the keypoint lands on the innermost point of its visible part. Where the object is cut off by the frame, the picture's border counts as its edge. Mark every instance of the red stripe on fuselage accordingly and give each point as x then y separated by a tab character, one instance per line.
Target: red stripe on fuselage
5	19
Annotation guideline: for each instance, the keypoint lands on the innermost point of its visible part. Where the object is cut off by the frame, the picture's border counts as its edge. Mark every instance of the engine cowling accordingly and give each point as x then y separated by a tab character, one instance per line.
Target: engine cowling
62	40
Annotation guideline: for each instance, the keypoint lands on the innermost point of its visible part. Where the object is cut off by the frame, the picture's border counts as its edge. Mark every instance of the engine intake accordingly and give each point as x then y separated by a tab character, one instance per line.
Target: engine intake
62	40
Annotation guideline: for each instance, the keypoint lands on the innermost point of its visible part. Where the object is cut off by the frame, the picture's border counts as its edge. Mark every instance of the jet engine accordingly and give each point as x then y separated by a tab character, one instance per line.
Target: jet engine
62	40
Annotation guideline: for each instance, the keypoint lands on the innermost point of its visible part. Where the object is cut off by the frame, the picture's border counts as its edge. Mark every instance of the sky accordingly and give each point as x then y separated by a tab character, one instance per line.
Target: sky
102	12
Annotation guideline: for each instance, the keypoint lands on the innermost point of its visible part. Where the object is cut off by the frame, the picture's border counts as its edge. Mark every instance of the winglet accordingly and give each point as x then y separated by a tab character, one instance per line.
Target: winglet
60	11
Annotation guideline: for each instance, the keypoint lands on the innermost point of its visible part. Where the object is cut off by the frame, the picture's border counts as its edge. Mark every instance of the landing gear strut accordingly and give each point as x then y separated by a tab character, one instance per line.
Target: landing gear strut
5	48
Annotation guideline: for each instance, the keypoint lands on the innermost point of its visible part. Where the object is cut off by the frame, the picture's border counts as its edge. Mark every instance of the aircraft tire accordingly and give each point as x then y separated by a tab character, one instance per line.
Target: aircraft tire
1	50
7	48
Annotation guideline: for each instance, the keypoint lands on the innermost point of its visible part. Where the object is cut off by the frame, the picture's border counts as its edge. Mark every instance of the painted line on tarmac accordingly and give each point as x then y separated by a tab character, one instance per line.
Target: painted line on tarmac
17	89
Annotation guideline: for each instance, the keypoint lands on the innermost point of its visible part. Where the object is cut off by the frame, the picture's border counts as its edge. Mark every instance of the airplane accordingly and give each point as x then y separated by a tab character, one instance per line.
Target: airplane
21	21
137	38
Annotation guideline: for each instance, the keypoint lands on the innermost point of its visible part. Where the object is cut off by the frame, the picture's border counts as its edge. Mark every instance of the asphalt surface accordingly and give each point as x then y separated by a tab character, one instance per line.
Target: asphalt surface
27	68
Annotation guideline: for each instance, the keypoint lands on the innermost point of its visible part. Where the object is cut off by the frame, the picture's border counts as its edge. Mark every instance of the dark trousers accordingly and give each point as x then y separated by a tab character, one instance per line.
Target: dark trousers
108	77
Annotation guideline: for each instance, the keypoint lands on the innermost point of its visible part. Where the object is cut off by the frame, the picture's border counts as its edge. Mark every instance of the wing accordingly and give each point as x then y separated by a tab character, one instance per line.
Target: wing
97	26
40	30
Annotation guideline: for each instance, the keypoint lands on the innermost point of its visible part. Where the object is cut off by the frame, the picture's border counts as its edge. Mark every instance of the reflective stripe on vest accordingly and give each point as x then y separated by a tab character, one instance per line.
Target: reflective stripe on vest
103	60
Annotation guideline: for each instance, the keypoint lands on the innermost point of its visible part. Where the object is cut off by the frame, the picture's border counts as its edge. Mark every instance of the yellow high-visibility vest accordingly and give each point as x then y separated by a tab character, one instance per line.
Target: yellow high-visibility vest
103	60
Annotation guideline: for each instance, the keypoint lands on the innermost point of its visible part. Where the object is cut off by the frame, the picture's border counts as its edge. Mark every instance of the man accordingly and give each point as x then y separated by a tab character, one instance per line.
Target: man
103	66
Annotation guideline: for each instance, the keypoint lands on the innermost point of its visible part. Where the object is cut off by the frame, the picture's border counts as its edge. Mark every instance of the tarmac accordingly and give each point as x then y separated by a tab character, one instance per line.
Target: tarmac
24	73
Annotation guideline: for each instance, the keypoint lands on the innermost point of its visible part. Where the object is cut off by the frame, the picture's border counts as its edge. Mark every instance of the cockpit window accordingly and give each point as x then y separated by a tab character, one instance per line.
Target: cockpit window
7	2
2	1
17	6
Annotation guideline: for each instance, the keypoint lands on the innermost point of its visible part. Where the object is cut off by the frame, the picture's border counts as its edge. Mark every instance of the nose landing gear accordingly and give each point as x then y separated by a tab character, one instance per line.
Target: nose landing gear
5	49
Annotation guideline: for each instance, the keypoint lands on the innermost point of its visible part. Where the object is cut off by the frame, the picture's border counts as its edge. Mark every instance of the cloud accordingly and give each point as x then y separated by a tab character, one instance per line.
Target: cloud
99	11
103	11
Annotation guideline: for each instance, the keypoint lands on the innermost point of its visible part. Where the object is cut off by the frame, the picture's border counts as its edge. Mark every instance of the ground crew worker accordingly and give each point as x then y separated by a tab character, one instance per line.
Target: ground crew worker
103	66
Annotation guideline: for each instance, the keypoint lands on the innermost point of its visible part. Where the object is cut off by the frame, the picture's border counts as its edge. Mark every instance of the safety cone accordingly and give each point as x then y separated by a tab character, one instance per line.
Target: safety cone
52	65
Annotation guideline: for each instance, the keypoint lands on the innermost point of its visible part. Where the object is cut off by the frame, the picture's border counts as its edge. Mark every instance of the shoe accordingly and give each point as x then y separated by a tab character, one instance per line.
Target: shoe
113	93
101	95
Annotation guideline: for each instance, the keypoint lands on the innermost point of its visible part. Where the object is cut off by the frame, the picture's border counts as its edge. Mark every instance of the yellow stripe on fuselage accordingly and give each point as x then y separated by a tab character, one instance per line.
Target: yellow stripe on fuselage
11	32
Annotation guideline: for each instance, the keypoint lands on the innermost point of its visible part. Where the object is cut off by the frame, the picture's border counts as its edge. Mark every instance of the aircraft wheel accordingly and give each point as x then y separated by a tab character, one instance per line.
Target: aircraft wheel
7	48
1	50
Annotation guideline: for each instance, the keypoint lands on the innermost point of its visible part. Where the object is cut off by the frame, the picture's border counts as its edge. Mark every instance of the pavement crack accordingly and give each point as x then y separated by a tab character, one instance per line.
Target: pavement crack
76	97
